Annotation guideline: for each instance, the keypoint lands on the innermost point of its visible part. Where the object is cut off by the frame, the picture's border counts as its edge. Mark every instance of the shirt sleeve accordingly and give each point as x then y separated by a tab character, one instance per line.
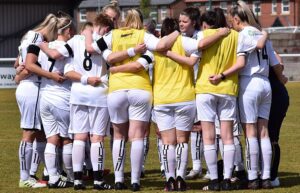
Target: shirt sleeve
66	50
246	43
151	41
190	46
33	49
146	59
271	54
103	43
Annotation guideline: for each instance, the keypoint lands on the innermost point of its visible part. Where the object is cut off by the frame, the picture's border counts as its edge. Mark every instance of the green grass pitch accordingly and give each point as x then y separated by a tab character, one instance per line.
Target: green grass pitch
10	135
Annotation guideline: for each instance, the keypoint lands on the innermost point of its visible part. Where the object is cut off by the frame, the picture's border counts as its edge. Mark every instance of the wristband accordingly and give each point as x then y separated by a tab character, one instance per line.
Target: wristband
84	79
223	77
130	52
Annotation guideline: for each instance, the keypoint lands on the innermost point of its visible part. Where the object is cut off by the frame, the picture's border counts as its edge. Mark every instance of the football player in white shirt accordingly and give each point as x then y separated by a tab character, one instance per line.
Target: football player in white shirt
254	93
54	104
88	101
28	102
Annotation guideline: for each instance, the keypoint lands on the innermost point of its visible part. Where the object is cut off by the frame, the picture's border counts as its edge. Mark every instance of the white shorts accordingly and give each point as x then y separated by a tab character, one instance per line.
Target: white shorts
255	98
87	119
27	95
179	117
213	106
125	105
55	121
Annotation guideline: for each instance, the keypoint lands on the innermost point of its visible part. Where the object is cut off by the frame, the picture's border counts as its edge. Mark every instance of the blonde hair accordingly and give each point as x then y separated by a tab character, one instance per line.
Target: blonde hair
50	24
245	14
113	6
252	20
64	22
134	19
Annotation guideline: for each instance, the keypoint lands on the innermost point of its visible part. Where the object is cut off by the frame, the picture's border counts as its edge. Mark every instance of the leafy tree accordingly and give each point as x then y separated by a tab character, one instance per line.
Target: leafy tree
145	7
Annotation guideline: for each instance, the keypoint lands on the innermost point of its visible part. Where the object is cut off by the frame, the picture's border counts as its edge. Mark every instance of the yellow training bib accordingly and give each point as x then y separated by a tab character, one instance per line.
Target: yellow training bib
122	39
215	60
172	82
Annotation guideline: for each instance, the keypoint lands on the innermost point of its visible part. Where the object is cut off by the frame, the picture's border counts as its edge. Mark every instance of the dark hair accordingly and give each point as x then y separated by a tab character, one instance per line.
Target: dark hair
168	26
140	14
209	17
220	18
194	14
103	20
215	19
150	25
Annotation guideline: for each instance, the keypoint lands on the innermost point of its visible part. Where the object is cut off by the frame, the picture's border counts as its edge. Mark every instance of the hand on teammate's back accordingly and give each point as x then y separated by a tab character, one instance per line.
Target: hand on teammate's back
283	79
140	48
214	79
57	77
224	31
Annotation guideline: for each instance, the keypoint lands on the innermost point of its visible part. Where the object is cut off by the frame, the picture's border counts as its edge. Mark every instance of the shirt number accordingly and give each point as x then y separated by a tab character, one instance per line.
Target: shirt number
87	62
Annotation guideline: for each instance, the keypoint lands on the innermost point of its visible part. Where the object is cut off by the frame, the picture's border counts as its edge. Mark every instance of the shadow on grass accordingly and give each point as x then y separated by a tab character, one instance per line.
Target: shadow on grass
289	179
154	181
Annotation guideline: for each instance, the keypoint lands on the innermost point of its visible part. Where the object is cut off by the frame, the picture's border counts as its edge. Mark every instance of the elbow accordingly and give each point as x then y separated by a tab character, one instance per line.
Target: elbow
139	67
55	55
163	45
111	60
260	46
201	45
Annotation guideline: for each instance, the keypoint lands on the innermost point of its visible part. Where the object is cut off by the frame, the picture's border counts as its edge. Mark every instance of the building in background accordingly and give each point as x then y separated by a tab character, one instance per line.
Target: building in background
271	13
160	9
19	16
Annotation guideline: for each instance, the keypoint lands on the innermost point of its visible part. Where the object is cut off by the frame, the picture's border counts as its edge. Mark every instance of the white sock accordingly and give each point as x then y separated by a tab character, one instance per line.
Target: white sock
25	156
169	160
97	156
196	150
87	159
50	161
159	148
228	160
67	159
118	159
266	156
146	150
40	147
35	160
45	172
136	158
78	155
182	150
211	158
220	147
252	153
238	155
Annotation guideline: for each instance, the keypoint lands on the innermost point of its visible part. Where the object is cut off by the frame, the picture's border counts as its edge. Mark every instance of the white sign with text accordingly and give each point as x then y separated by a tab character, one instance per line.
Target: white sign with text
7	77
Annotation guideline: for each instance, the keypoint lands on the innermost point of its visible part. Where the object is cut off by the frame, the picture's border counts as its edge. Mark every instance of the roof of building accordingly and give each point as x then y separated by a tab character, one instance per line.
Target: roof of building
122	3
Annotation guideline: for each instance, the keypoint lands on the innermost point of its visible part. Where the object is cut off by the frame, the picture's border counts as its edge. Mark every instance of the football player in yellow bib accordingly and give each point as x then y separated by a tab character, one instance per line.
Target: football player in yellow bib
174	101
